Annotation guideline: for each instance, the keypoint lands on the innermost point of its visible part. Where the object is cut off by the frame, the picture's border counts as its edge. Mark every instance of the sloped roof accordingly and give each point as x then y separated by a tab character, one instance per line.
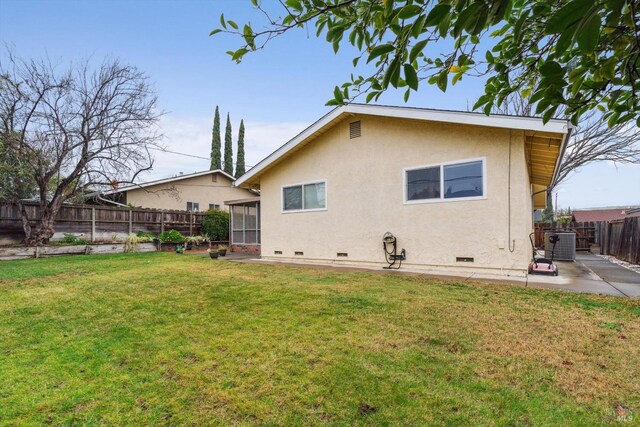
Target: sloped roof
172	179
545	141
604	214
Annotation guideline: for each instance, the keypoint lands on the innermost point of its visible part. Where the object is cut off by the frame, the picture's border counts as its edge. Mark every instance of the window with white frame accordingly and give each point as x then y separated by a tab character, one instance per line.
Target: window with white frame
214	206
303	197
459	180
193	206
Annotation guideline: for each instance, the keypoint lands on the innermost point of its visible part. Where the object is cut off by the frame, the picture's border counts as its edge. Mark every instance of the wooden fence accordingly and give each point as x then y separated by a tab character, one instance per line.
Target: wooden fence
620	239
100	223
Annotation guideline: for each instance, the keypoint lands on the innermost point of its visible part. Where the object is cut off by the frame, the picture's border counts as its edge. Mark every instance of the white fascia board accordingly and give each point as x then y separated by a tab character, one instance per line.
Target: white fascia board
461	117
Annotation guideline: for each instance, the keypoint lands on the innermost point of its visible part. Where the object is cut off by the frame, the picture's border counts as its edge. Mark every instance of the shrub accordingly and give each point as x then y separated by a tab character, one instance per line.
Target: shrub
147	235
194	240
171	236
72	239
133	241
215	225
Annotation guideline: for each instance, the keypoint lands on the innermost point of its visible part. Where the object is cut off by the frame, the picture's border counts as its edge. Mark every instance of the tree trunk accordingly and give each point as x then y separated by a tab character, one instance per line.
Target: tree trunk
26	226
39	234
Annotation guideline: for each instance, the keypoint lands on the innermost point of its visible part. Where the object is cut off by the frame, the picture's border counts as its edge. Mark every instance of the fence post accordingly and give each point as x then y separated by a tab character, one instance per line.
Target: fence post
161	221
130	222
93	224
191	223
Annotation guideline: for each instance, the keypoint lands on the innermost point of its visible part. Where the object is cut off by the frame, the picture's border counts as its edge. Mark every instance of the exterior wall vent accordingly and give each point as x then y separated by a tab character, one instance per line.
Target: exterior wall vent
464	259
214	177
299	253
342	254
277	252
355	129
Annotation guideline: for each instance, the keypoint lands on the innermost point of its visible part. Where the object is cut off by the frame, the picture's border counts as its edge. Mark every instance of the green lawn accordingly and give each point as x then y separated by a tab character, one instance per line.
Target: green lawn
167	339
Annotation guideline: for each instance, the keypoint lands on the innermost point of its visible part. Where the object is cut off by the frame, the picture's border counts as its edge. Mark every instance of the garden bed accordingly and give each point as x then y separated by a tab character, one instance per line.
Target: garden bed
22	252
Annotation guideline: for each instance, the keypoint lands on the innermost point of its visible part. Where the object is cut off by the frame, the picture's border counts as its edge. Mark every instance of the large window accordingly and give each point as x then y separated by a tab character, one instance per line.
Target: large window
245	223
304	197
460	180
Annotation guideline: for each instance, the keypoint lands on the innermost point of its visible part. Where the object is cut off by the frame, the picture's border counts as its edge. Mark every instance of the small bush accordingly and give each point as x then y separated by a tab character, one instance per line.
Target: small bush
215	225
133	241
147	235
72	239
171	236
194	240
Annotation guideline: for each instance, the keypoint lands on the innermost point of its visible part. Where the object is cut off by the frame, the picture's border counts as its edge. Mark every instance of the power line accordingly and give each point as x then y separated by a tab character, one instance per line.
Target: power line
188	155
181	154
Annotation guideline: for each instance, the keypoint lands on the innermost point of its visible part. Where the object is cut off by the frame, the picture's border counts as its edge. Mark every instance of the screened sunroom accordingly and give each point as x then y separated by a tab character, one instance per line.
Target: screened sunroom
244	225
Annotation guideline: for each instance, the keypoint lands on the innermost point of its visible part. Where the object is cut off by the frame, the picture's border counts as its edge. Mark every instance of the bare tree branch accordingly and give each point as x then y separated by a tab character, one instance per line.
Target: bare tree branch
81	128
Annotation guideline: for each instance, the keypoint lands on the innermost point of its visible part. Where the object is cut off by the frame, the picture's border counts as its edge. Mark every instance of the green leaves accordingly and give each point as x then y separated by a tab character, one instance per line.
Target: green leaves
409	11
565	55
411	76
437	14
589	34
567	16
551	69
380	50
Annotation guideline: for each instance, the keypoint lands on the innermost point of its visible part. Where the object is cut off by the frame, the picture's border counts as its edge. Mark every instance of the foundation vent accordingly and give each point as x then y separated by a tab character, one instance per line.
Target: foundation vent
342	254
464	259
355	129
277	252
299	253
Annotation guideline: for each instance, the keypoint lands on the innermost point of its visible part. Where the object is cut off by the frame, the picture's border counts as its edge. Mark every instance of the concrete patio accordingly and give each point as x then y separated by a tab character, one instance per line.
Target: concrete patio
590	274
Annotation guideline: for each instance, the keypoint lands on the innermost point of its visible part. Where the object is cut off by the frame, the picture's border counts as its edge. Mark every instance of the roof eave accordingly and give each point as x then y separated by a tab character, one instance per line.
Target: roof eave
249	179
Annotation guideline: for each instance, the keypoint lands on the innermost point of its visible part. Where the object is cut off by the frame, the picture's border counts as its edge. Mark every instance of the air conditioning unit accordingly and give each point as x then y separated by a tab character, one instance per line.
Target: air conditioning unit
565	248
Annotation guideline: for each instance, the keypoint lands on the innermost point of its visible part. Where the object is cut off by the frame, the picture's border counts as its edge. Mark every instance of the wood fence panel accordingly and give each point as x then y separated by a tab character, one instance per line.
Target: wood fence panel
107	221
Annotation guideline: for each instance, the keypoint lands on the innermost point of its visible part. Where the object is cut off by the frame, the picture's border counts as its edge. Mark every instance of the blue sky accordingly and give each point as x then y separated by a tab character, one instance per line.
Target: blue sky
278	91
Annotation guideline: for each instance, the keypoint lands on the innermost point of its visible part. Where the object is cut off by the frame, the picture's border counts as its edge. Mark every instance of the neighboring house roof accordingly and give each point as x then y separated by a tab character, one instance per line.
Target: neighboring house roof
165	180
542	172
605	214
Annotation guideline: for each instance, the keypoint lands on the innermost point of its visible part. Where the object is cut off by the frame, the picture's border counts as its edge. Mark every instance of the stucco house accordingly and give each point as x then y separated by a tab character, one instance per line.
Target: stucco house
456	189
198	191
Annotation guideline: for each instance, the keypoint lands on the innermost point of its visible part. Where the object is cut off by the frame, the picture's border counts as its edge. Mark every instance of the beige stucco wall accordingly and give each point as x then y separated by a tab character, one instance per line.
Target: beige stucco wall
365	198
176	194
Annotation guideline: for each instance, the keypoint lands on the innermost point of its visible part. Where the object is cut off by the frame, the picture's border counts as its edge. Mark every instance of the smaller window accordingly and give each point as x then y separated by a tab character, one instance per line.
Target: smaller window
214	206
193	206
304	197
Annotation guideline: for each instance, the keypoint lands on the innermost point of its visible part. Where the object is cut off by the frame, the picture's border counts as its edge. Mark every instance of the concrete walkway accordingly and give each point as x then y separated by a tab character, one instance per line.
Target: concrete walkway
590	274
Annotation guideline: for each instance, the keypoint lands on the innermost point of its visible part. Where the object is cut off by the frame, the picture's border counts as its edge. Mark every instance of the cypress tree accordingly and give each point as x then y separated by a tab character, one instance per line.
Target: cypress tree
216	161
240	155
228	149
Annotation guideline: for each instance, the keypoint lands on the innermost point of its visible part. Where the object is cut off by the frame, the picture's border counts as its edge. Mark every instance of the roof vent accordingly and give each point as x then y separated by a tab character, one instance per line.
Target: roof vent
355	129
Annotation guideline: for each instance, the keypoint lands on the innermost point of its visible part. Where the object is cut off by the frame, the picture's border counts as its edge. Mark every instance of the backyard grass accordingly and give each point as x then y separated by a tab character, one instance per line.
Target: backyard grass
167	339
